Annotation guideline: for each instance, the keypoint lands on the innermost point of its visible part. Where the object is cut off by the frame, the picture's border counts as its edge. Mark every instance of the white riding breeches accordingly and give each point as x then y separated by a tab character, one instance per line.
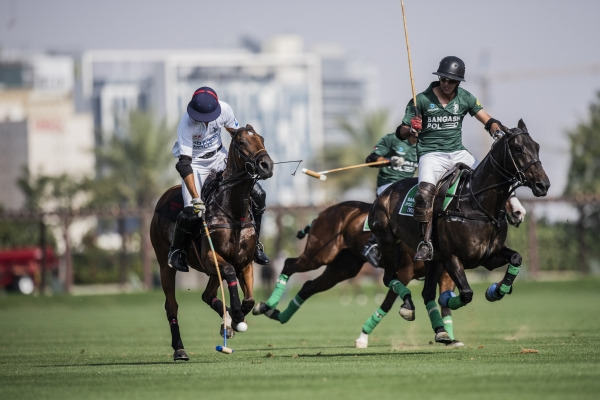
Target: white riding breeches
202	168
432	166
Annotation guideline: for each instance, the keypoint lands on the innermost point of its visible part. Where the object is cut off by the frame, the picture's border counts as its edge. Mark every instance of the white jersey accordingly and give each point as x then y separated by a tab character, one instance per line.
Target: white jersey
195	139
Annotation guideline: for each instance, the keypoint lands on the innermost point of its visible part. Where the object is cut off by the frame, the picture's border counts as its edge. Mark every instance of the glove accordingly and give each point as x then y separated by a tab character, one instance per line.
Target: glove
396	161
416	123
198	207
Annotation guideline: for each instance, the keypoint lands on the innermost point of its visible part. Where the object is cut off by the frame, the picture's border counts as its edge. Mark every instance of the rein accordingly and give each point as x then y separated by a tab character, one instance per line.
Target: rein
513	179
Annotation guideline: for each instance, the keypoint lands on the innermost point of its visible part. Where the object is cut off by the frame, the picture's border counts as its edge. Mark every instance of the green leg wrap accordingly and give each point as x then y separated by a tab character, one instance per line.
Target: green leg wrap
399	288
455	303
448	326
294	305
373	320
509	277
434	315
278	291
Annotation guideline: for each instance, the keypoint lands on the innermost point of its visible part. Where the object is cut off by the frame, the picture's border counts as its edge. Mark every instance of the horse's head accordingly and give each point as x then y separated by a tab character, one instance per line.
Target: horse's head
249	152
517	155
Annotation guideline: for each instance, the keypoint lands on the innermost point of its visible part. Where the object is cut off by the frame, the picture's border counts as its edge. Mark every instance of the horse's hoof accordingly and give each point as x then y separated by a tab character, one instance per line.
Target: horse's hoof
230	332
241	327
443	337
180	355
260	308
445	298
407	314
492	294
455	343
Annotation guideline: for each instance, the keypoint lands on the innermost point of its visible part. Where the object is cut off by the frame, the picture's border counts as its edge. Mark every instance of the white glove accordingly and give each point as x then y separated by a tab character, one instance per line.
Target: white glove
396	161
198	207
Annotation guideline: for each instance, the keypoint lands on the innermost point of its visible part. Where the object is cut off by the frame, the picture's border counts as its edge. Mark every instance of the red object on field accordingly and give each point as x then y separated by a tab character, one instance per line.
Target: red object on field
16	263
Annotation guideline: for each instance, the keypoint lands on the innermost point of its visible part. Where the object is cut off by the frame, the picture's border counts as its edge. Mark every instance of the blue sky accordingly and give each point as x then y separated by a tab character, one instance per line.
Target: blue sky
541	56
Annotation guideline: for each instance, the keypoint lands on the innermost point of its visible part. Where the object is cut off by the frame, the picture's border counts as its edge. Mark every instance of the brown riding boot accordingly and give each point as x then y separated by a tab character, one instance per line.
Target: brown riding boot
424	214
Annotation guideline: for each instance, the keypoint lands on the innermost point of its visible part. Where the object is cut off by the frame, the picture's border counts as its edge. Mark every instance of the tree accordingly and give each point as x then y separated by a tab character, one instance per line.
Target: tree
364	132
584	182
135	170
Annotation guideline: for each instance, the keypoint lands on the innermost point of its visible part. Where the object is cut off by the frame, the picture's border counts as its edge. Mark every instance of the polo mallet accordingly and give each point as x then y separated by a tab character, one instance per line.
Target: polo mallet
322	174
412	81
224	348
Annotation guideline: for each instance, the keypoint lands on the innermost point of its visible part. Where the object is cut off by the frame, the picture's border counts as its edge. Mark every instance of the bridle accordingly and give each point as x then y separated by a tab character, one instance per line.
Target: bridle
516	178
250	162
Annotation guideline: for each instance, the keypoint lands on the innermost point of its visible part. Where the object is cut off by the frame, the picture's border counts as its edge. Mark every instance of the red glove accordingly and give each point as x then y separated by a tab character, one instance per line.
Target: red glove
416	123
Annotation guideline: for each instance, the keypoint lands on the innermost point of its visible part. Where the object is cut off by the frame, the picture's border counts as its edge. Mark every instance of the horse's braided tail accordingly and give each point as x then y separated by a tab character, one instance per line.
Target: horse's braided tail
301	234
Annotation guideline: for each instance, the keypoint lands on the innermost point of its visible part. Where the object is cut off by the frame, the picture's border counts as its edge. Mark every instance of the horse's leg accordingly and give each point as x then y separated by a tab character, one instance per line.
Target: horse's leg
396	263
363	339
235	306
446	284
246	280
209	296
167	280
289	267
497	290
344	266
433	271
457	272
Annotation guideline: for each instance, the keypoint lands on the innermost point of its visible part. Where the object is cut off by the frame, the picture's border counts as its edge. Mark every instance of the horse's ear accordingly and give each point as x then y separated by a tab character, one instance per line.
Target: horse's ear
230	130
521	125
249	127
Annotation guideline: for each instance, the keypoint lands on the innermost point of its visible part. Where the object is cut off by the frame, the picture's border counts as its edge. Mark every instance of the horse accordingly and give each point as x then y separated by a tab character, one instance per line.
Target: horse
469	228
231	229
336	239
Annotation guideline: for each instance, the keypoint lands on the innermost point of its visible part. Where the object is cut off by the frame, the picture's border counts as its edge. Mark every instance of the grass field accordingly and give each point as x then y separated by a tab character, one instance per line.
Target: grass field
541	342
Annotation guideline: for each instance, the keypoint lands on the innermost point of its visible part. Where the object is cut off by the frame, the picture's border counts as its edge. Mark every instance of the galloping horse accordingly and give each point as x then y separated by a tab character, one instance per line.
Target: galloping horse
336	239
229	219
469	226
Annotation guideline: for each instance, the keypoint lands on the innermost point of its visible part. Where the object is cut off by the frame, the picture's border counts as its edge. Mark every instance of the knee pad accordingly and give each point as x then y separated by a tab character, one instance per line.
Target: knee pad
258	196
424	201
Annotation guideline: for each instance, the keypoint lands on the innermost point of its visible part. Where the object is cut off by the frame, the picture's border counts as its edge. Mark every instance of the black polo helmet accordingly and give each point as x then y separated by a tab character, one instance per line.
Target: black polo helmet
204	106
451	67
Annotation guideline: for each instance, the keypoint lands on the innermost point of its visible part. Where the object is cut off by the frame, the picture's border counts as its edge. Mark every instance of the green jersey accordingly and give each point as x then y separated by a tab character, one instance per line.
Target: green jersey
442	126
389	146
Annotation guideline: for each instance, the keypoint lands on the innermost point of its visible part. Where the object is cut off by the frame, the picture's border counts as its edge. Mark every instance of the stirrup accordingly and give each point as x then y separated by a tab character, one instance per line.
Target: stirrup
372	254
424	251
177	259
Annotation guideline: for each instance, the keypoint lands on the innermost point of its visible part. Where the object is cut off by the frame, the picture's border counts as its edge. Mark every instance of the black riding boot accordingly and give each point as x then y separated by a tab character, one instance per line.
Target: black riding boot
424	214
181	240
259	255
371	251
258	197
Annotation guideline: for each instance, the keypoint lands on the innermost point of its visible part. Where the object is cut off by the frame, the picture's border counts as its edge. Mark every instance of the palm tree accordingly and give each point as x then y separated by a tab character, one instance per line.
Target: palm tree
363	132
134	171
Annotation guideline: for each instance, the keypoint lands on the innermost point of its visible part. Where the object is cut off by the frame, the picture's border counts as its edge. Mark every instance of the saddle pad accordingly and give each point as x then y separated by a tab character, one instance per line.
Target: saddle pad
172	207
366	224
408	204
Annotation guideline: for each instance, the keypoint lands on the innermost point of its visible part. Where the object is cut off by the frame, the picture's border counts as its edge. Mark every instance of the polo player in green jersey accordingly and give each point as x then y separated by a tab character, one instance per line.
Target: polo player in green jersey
402	155
436	120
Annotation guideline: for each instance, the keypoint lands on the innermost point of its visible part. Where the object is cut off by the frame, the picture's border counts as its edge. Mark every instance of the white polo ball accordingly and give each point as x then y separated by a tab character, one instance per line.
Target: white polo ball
241	327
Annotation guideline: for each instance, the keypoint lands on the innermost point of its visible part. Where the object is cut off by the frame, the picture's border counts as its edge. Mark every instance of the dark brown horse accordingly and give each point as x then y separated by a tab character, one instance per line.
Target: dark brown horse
231	227
469	227
336	239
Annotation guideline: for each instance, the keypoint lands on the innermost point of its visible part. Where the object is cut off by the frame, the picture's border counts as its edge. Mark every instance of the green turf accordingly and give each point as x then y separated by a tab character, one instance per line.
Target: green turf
541	342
